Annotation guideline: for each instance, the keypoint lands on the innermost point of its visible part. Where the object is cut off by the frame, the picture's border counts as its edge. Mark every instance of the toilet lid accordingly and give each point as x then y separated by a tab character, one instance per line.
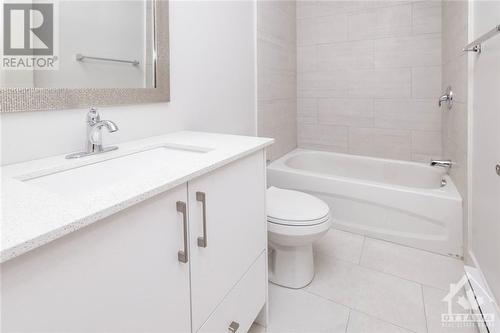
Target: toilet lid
294	207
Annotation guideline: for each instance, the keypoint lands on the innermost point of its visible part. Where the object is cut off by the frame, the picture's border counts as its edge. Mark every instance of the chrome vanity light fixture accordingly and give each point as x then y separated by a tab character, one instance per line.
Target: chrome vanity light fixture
447	97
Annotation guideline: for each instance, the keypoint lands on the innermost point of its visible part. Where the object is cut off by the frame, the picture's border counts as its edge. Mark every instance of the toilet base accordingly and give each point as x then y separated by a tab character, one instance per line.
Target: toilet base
291	267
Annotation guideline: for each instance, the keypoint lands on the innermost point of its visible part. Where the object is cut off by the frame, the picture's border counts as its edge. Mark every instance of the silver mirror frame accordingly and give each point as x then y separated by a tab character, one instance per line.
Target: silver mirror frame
45	99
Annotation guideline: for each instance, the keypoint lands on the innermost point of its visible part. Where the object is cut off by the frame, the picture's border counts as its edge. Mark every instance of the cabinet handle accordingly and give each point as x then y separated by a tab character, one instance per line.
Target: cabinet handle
233	327
182	255
202	240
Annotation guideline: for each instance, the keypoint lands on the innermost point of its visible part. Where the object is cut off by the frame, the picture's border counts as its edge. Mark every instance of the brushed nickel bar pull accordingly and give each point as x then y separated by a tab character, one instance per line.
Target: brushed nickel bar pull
233	327
182	255
81	57
202	240
475	46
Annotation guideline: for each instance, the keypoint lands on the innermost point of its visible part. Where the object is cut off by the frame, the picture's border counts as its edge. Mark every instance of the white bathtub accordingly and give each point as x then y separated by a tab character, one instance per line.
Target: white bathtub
398	201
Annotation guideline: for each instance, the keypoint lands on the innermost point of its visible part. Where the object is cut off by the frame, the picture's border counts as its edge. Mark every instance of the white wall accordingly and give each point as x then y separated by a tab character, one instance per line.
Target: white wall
108	29
485	147
212	46
369	75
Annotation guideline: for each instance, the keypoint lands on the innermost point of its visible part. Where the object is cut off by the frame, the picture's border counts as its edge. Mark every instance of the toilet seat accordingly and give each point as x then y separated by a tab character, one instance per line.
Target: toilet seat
298	223
294	208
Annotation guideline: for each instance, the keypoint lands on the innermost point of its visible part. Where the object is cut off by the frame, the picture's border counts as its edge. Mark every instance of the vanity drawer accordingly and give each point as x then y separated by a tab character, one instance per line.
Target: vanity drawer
243	303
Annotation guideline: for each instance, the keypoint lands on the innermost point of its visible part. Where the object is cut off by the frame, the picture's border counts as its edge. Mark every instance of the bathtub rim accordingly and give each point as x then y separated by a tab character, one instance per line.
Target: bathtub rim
449	191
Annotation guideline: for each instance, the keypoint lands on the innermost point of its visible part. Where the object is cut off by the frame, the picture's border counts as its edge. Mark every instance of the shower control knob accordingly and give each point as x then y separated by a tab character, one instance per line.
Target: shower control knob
497	168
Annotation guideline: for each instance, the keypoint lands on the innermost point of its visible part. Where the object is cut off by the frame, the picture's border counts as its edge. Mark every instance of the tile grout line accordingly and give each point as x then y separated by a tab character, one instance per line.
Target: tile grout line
379	271
424	307
409	247
389	274
357	310
348	319
362	251
374	38
385	321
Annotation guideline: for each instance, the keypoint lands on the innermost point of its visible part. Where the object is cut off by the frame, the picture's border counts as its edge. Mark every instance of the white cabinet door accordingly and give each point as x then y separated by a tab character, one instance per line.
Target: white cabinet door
121	274
235	230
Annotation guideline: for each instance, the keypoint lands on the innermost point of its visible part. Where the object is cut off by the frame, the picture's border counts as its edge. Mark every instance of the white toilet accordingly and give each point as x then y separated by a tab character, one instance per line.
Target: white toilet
295	220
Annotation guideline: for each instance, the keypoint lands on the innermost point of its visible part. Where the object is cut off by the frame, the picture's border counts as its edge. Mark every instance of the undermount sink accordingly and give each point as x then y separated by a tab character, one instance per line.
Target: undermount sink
88	179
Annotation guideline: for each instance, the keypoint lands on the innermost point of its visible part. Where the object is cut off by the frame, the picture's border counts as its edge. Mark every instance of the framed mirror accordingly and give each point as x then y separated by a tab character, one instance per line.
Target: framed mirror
73	54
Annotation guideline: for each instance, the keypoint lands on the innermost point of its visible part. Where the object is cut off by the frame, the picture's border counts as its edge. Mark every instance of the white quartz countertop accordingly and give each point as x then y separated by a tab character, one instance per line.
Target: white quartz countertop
33	216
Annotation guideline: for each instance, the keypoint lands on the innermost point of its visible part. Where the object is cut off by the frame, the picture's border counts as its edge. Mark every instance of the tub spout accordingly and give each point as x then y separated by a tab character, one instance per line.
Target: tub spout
442	163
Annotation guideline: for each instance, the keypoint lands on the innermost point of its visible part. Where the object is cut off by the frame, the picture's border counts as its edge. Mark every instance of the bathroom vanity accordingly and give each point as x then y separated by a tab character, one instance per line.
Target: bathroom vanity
166	234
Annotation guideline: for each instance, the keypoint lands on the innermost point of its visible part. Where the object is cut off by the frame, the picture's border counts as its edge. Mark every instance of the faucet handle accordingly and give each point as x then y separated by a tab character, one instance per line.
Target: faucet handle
447	97
93	116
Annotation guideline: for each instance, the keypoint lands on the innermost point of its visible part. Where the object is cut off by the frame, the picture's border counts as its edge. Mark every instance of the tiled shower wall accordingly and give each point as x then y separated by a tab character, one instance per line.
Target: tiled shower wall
277	74
455	121
369	76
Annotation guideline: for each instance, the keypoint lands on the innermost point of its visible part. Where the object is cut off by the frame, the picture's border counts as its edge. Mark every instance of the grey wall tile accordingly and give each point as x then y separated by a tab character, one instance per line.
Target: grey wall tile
277	75
454	23
407	114
426	82
380	83
454	73
422	158
424	142
372	68
307	8
426	17
413	51
276	56
388	143
323	84
307	58
274	22
324	135
276	84
381	22
307	111
320	30
348	112
347	55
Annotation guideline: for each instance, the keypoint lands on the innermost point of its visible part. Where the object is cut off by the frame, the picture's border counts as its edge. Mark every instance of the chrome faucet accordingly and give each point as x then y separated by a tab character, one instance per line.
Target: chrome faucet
94	135
442	163
447	97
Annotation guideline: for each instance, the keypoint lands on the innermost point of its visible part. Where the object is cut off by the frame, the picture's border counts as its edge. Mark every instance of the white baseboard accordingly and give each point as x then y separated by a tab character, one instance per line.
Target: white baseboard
481	290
